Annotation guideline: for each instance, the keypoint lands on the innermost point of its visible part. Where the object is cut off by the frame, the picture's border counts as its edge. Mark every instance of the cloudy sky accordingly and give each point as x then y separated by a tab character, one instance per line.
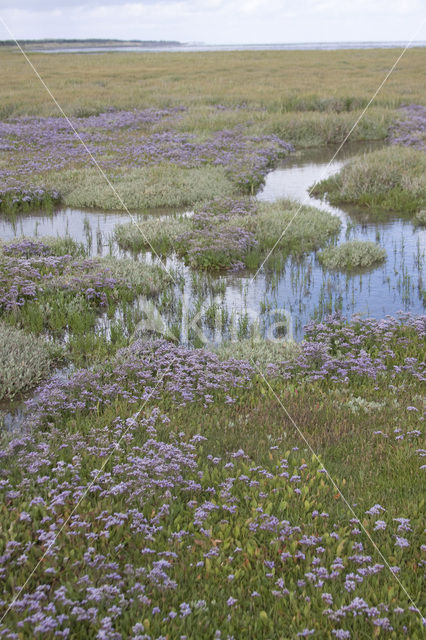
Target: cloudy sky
216	21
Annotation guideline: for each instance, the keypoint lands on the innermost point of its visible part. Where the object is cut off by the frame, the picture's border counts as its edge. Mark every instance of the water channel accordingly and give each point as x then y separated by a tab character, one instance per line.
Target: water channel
302	290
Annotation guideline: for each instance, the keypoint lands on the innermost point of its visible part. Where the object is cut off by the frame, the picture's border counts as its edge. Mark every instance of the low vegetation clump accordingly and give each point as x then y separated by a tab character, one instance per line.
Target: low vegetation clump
159	186
160	234
349	256
392	178
298	229
336	351
420	218
49	246
46	285
219	234
22	198
234	234
25	359
333	351
139	371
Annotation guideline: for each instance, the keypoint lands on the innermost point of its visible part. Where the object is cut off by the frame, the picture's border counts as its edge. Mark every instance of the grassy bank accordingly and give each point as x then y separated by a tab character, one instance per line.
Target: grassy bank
153	187
390	179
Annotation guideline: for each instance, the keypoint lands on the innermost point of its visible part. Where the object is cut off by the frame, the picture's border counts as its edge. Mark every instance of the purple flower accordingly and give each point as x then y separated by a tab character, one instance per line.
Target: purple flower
401	542
375	510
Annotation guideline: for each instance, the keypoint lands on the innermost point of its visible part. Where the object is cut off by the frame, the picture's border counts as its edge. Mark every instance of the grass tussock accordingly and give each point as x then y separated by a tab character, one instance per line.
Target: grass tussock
25	359
353	255
146	279
392	178
142	188
156	233
420	218
298	229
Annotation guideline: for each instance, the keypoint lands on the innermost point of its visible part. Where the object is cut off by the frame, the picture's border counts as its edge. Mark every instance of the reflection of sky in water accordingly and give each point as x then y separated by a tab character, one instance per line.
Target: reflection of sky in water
303	289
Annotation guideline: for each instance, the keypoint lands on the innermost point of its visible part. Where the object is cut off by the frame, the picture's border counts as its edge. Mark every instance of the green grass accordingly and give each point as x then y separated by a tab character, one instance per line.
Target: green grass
150	187
299	229
349	256
160	234
392	178
263	352
25	359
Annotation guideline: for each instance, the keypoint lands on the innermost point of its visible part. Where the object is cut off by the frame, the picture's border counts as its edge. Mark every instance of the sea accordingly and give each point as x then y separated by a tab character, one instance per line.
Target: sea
194	47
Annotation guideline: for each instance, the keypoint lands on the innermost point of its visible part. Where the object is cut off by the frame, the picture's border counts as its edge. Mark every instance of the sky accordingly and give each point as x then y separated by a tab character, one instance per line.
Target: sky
217	21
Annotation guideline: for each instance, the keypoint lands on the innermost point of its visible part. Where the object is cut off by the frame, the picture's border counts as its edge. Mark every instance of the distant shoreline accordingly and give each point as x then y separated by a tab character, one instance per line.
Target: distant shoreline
100	43
133	46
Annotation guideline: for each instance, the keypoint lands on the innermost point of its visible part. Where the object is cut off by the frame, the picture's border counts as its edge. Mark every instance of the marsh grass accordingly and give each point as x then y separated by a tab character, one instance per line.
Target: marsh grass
148	187
25	359
140	278
310	229
353	255
279	81
420	218
316	129
160	234
302	128
392	178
